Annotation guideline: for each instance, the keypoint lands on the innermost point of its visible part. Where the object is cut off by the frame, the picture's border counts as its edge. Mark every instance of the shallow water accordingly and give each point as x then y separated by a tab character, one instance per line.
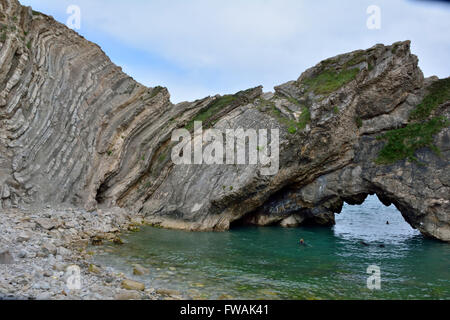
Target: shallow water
268	263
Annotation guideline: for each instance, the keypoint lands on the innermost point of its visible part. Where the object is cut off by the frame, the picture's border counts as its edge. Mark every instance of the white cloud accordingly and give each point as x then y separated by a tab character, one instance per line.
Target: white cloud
230	45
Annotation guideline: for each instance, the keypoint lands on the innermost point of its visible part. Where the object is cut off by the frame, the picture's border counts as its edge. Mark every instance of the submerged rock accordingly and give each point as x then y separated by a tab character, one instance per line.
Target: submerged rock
140	270
168	292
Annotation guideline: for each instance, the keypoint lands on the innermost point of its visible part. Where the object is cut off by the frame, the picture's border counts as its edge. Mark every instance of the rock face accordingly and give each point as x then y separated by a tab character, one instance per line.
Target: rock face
75	129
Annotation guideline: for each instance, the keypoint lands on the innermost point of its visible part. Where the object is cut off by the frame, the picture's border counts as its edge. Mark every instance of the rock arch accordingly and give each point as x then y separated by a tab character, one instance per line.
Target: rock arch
75	129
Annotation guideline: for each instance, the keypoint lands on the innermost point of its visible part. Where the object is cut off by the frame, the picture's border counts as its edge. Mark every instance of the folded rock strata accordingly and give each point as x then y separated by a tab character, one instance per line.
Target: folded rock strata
75	129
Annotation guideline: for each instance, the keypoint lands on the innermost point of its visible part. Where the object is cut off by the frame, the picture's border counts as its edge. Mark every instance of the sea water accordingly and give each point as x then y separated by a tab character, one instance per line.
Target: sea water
269	263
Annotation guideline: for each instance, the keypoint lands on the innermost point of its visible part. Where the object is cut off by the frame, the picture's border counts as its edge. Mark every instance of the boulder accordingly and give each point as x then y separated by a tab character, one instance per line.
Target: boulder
132	285
46	223
128	295
140	270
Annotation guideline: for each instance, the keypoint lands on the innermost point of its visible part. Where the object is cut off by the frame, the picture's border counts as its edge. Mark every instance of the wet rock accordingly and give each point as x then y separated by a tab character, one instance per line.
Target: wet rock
97	241
140	270
117	240
132	285
109	279
128	295
94	269
168	292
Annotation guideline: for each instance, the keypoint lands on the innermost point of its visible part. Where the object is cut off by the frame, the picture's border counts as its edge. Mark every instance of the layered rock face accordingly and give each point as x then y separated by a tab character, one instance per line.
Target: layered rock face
75	129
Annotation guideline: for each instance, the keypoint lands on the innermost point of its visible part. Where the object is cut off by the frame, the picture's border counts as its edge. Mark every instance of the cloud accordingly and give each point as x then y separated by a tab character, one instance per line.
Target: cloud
222	46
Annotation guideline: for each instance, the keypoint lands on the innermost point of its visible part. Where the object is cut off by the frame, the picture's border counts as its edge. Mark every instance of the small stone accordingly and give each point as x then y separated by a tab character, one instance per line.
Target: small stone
47	274
45	286
22	254
41	286
97	241
199	285
59	266
63	251
43	296
109	279
168	292
117	240
150	291
23	238
6	257
128	295
132	285
49	248
46	223
94	269
140	270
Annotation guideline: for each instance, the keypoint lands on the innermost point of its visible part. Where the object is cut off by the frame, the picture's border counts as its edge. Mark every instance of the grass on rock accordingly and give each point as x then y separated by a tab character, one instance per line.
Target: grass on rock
215	107
330	80
293	125
404	142
439	92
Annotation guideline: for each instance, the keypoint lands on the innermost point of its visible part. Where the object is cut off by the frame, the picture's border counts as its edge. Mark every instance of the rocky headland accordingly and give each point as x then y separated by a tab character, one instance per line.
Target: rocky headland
85	151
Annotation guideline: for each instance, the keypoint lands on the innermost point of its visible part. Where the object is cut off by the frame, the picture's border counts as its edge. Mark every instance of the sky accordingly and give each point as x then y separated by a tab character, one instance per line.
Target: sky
198	48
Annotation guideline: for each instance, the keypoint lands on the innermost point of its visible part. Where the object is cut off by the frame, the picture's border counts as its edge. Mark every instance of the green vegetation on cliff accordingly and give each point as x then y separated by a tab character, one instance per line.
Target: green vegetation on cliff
439	92
330	80
156	90
211	110
404	142
292	125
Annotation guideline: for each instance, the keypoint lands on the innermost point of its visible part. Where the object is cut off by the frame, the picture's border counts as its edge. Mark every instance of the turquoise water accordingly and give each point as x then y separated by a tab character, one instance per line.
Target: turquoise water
268	263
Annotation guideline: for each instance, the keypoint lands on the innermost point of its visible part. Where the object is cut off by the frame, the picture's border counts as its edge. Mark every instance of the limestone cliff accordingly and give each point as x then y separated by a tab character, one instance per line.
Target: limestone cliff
75	129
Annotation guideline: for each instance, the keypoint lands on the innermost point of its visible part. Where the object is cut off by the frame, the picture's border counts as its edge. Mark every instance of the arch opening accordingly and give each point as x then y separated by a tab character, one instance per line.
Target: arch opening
364	216
372	220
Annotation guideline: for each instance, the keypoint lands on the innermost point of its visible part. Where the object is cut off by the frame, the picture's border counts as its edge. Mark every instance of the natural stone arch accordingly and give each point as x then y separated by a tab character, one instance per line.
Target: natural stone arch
75	129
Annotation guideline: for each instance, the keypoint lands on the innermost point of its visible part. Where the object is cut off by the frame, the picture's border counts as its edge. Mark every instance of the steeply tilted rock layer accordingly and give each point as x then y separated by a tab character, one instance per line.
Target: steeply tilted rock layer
74	128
